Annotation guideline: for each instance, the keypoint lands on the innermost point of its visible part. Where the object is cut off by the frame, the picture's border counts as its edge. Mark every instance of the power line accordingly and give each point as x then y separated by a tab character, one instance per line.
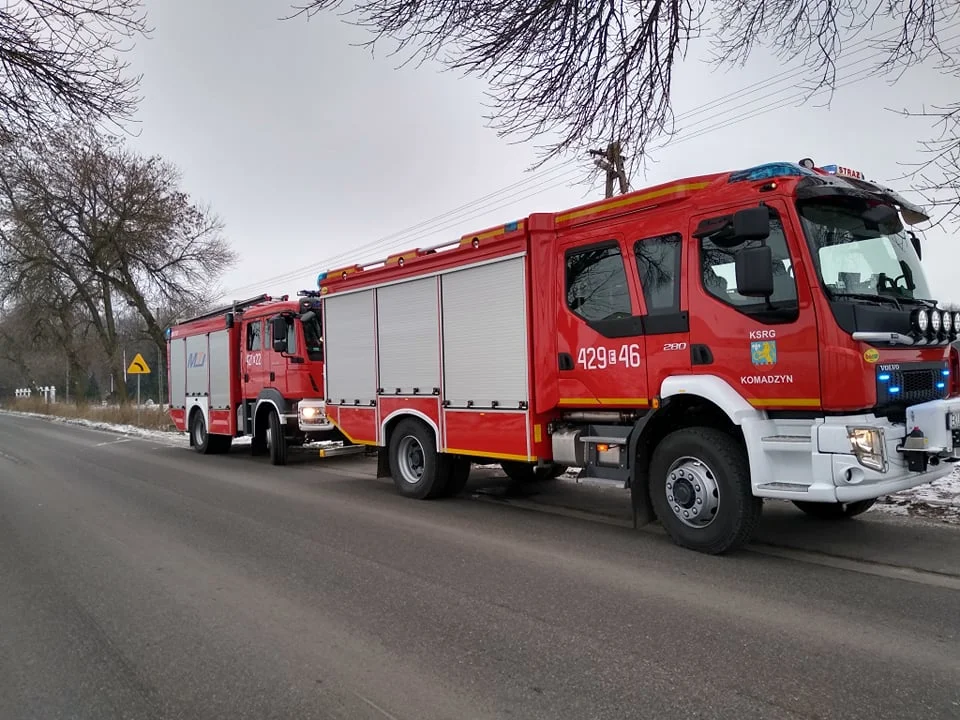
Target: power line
430	226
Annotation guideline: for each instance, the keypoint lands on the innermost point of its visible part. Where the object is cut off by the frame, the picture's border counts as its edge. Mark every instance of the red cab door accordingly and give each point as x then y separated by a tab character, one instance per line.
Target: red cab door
600	340
252	362
765	348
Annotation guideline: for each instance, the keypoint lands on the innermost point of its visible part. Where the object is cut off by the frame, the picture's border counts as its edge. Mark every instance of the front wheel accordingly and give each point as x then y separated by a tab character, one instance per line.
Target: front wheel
276	441
835	511
700	488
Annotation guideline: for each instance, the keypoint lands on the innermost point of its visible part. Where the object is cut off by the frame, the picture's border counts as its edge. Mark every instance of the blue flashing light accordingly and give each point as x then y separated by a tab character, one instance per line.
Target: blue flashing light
941	385
883	377
945	373
512	226
168	332
769	170
893	390
321	277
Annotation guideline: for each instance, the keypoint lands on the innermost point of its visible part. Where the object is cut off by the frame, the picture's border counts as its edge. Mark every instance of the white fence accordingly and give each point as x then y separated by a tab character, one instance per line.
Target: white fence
49	393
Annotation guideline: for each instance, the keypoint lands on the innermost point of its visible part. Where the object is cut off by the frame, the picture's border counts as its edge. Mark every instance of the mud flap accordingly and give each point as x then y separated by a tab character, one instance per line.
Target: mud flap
383	463
643	513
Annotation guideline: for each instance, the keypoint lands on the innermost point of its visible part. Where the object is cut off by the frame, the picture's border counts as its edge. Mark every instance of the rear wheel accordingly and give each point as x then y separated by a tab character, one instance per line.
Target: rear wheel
199	437
835	511
276	442
521	472
414	462
700	488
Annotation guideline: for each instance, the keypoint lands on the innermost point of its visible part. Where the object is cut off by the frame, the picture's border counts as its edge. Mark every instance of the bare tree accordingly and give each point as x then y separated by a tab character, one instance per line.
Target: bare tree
99	227
61	59
586	73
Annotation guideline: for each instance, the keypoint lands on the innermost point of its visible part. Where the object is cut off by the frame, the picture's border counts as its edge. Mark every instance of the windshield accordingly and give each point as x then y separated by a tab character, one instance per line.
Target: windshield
312	335
857	258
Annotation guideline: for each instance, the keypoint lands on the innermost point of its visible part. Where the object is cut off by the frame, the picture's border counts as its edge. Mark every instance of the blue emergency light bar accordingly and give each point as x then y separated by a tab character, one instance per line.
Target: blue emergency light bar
769	170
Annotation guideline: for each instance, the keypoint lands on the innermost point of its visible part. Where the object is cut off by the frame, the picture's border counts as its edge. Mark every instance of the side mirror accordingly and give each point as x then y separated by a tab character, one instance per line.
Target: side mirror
754	267
278	332
915	241
752	224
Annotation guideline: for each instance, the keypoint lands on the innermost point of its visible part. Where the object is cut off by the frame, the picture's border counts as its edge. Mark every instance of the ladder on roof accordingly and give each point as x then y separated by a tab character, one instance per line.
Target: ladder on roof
235	306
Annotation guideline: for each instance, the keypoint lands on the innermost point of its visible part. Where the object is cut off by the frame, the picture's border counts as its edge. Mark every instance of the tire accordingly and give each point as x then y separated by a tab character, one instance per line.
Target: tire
276	441
835	511
521	472
457	472
415	465
199	437
698	473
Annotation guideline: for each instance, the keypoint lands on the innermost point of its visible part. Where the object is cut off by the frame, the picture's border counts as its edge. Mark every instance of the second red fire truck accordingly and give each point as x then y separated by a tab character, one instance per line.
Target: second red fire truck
251	368
708	343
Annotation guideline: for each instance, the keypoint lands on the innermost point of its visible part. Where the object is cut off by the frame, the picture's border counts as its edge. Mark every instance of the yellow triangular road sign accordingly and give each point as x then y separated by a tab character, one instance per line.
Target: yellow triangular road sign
138	366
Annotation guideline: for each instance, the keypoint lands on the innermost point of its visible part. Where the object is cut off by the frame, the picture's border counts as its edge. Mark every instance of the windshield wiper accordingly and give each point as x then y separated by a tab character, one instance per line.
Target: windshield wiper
878	299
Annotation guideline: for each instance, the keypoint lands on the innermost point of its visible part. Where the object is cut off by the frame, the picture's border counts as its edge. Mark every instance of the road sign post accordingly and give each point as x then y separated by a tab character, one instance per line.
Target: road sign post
138	367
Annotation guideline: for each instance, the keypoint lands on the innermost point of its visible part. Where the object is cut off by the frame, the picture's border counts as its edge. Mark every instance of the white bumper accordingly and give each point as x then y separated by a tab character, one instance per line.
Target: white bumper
312	416
815	460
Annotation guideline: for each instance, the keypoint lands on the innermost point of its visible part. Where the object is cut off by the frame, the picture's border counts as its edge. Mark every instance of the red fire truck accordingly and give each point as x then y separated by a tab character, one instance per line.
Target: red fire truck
708	343
250	368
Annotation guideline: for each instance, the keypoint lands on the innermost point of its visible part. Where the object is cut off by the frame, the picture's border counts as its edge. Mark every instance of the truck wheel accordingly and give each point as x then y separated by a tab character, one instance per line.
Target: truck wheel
199	437
276	441
521	472
835	511
457	470
414	462
700	489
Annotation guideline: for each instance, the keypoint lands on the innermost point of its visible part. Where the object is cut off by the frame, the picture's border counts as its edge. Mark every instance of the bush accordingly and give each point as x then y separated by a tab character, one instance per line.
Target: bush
150	417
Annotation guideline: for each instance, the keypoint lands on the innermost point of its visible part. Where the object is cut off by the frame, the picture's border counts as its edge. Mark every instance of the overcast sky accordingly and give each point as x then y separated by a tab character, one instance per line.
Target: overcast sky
309	148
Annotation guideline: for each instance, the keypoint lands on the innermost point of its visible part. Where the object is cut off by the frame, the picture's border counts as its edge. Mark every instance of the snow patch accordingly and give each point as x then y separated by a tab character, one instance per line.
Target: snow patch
939	500
120	429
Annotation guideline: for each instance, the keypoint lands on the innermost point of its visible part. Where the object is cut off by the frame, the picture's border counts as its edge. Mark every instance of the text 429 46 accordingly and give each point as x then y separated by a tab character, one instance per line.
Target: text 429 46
600	358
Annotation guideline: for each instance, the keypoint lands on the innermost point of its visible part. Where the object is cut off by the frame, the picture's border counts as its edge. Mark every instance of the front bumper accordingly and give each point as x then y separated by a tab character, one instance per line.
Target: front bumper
820	465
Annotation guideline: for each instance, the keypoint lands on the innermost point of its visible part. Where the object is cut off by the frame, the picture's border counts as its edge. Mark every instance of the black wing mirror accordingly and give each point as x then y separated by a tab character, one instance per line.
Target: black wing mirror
754	267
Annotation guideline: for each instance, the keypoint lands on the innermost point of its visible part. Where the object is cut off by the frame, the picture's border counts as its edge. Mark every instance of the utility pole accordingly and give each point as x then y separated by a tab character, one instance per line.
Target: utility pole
611	162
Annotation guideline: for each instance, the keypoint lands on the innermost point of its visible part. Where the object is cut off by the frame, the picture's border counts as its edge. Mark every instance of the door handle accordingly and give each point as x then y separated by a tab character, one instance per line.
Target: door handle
565	361
273	376
246	377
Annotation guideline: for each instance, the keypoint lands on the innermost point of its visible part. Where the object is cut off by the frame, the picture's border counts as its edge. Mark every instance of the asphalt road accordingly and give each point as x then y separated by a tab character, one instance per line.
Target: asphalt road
140	580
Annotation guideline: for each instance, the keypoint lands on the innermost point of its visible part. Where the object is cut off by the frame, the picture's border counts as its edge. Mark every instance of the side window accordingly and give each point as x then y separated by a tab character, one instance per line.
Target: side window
658	264
719	277
253	335
597	283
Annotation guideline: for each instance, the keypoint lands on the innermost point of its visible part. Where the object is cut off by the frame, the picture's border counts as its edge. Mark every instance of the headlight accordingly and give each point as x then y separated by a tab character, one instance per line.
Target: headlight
956	321
947	322
308	413
868	445
921	320
936	320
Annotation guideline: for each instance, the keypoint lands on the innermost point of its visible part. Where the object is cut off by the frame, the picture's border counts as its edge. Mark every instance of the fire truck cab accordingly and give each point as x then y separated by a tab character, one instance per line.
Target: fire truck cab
708	343
252	368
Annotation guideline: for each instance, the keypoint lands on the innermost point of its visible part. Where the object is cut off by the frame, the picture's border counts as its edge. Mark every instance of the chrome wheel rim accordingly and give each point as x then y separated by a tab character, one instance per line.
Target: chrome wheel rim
411	459
692	491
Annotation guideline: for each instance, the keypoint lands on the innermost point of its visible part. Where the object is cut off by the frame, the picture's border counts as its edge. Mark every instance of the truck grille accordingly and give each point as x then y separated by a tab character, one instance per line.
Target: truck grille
909	384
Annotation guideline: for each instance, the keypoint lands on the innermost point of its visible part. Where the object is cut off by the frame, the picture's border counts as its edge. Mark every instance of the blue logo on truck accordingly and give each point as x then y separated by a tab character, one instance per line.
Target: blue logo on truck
196	359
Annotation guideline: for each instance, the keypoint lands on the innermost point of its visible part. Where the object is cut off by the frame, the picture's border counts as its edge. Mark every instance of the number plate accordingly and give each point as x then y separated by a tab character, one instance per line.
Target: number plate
955	420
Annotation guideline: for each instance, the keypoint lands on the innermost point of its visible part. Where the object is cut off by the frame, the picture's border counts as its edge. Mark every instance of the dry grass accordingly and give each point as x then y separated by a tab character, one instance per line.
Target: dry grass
151	418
